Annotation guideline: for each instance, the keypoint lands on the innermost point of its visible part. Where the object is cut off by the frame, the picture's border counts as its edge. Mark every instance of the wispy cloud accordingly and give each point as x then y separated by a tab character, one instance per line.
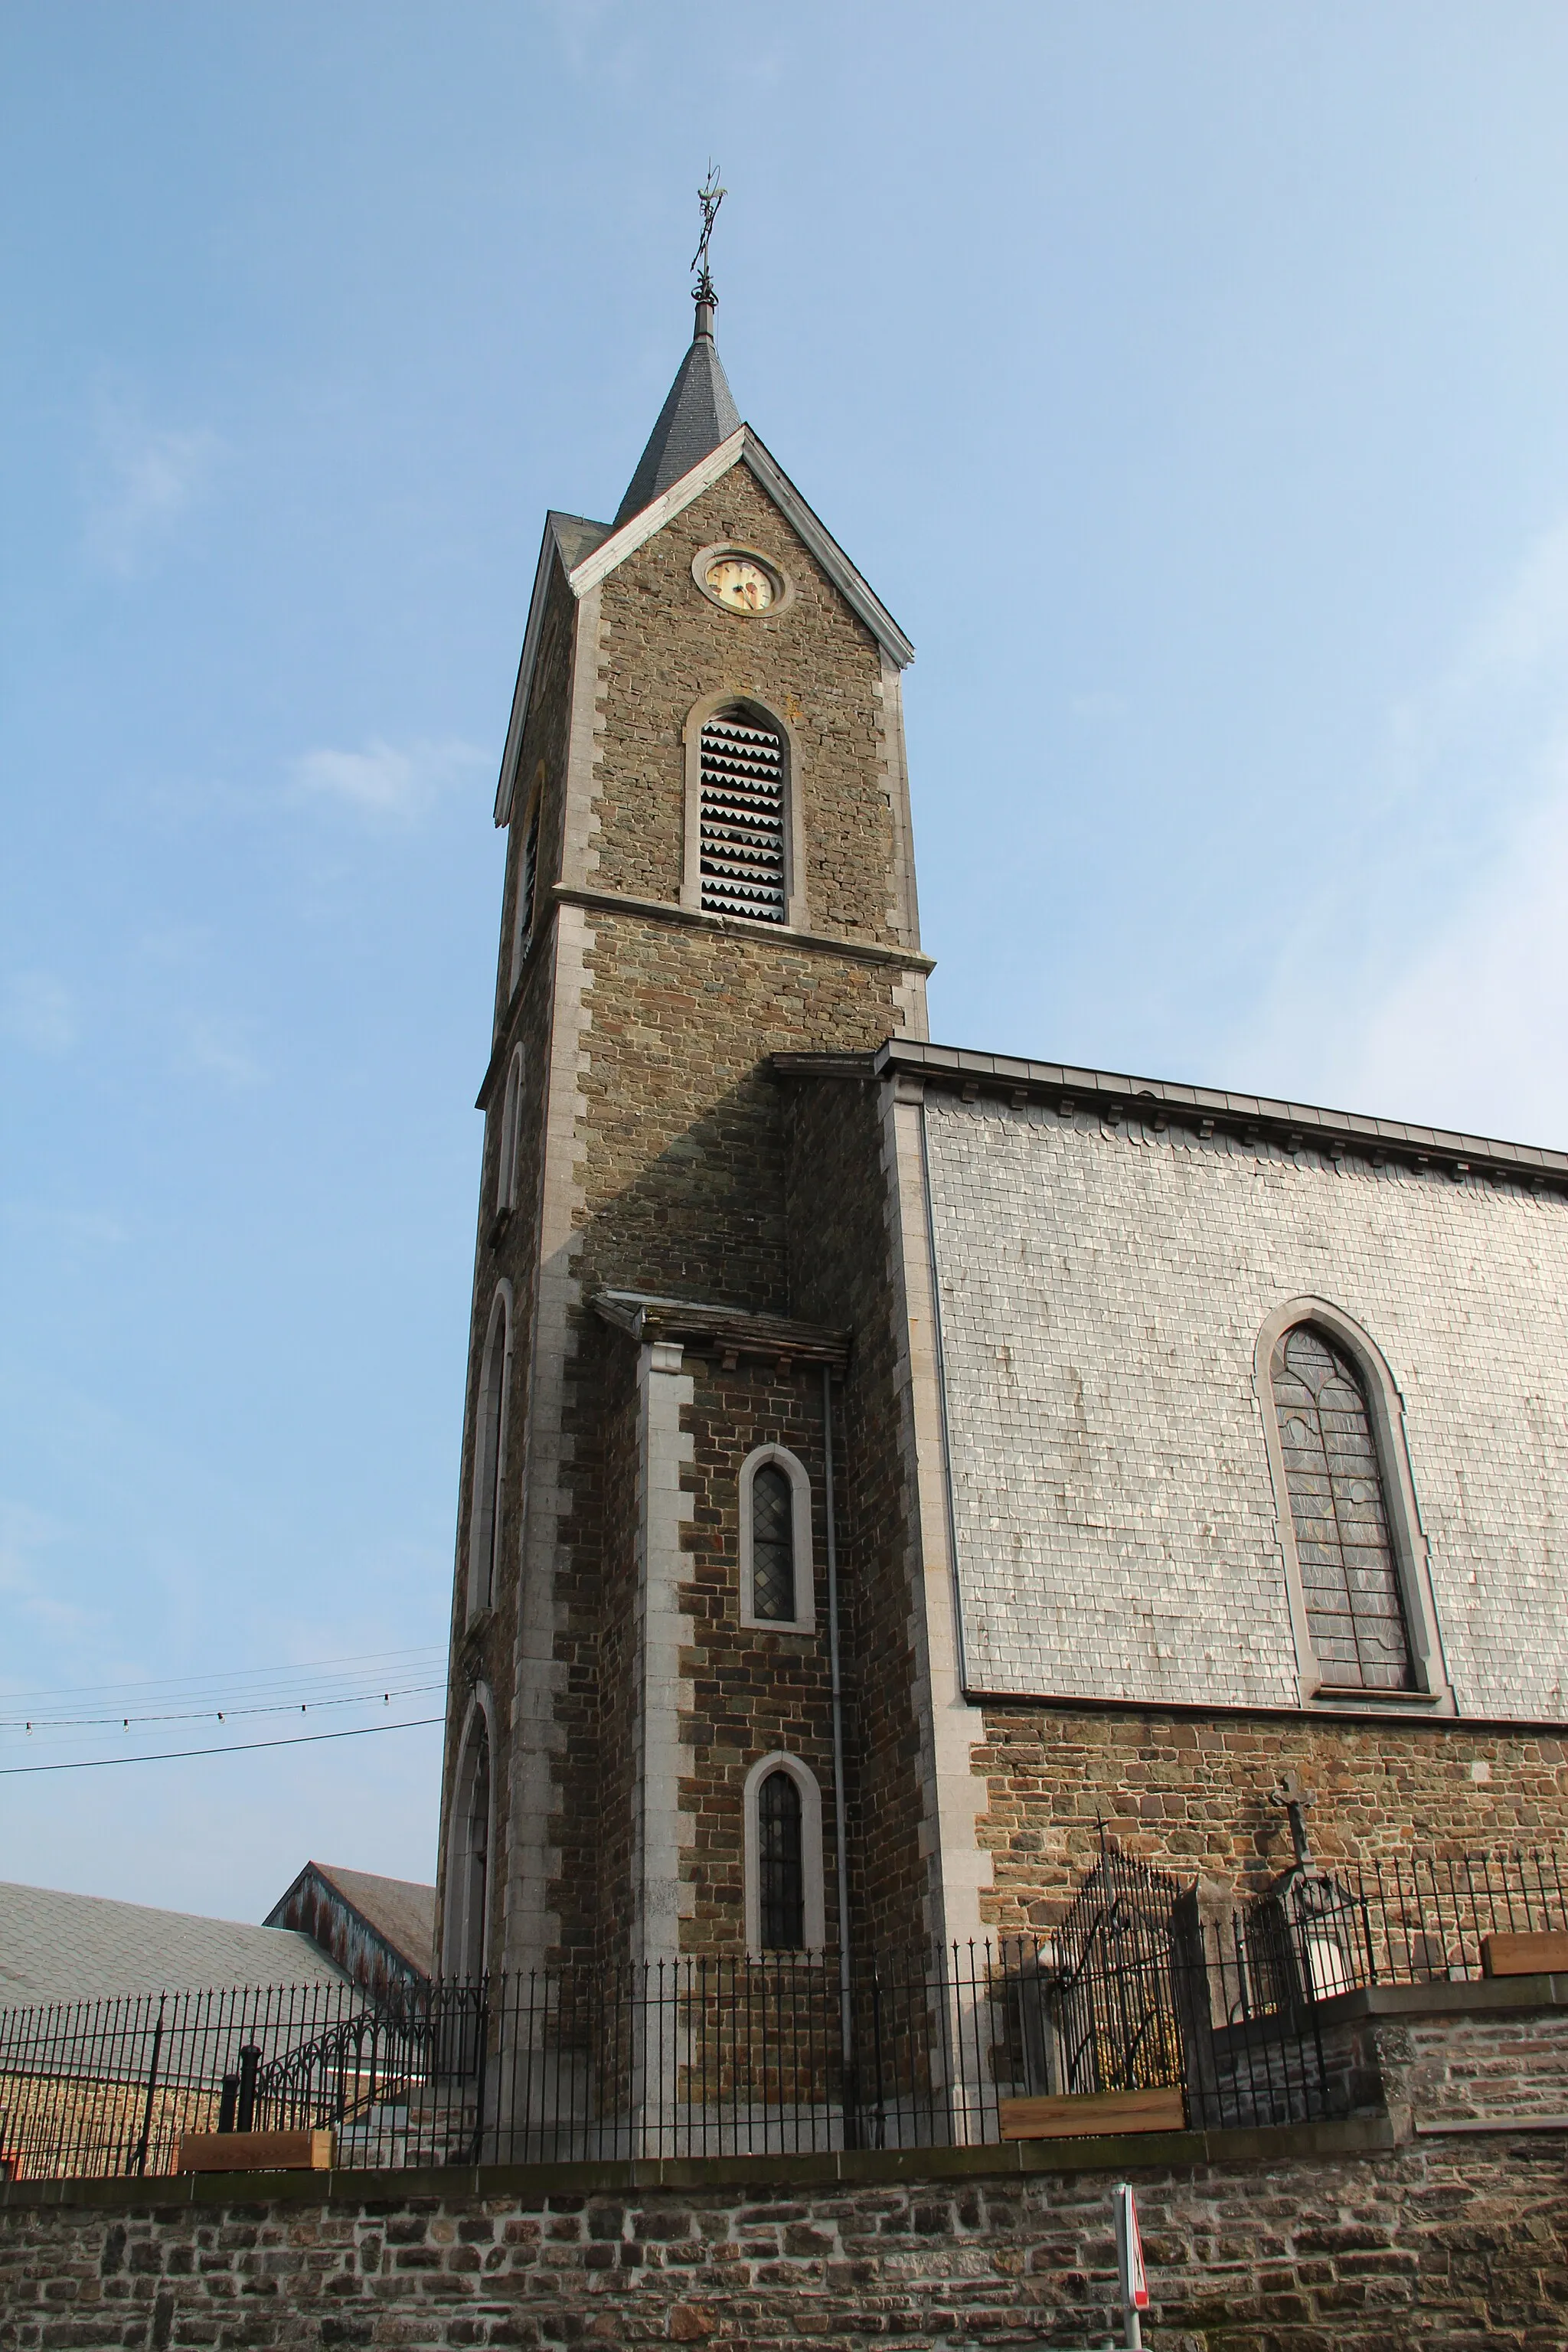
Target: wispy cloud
1430	978
26	1537
383	782
1474	1032
37	1011
211	1048
142	486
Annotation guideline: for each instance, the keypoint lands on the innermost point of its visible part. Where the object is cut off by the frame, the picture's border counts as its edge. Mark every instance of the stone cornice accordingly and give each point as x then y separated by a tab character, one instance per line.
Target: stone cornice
736	927
1160	1103
731	1331
1270	2145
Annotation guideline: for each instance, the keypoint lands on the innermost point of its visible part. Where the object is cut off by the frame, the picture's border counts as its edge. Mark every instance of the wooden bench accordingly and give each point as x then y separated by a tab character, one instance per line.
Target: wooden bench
1524	1955
256	2151
1091	2113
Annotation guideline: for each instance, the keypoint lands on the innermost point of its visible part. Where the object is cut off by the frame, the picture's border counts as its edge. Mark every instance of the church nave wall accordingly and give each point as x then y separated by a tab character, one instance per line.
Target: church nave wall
1194	1795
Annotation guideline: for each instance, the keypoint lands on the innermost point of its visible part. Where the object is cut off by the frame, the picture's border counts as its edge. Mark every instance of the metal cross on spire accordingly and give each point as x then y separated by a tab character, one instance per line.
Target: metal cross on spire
711	195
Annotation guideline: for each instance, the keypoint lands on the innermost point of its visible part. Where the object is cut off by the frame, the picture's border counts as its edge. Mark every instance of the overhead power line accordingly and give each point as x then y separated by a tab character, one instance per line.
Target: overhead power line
298	1675
234	1747
34	1723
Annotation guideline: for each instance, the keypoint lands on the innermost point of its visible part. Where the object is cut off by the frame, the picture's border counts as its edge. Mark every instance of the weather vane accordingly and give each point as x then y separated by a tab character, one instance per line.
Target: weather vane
711	195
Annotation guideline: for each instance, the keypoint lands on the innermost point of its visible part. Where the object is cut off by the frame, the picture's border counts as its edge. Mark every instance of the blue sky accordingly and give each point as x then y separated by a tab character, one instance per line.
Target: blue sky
1192	383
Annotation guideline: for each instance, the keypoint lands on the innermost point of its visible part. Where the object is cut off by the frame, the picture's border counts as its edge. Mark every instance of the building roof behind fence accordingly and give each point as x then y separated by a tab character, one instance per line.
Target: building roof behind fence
59	1948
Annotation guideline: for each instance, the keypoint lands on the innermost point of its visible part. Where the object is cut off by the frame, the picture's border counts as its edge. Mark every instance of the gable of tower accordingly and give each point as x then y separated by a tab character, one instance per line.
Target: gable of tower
668	654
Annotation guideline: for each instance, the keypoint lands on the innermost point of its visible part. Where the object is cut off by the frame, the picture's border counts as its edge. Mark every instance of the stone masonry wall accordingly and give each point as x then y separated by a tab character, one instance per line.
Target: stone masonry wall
1194	1795
1458	2242
483	1647
755	1691
840	1274
678	1160
812	662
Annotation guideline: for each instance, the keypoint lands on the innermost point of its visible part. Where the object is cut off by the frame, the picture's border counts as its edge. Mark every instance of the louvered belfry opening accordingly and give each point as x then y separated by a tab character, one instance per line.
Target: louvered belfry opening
742	816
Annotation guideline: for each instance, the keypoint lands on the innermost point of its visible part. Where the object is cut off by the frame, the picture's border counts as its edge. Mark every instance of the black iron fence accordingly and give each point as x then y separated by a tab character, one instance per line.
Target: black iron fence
1147	1984
699	2057
1416	1918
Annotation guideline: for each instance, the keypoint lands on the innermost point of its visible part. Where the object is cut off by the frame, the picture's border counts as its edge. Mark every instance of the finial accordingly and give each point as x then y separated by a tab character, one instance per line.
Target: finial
711	195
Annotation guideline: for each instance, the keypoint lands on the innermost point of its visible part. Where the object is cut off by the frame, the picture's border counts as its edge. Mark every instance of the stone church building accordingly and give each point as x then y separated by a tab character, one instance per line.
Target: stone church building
884	1461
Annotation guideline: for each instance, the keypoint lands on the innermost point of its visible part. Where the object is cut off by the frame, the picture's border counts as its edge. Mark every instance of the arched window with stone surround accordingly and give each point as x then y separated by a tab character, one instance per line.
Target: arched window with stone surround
511	1118
776	1579
785	1896
741	817
781	1890
469	1861
490	1456
1339	1510
773	1542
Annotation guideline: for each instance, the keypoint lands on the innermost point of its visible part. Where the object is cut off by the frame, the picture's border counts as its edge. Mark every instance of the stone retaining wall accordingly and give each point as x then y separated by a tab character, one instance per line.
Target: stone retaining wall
1276	2249
1409	2227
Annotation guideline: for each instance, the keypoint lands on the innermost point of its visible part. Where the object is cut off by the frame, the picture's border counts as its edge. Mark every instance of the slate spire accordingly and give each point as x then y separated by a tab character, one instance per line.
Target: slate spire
699	414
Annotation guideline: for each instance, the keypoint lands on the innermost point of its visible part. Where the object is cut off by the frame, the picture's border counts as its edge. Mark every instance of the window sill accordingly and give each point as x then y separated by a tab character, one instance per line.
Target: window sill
798	1625
1339	1695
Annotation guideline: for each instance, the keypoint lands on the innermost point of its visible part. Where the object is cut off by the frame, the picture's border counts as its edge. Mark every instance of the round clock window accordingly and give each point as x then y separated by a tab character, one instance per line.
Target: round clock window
738	580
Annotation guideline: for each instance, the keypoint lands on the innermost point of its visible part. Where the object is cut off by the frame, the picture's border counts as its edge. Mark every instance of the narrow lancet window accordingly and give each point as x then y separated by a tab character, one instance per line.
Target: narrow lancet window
505	1164
781	1878
742	816
489	1460
1350	1579
772	1543
473	1894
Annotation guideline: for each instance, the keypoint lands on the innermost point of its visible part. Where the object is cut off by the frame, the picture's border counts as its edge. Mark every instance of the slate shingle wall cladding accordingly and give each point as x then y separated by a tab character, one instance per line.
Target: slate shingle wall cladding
1102	1290
1192	1796
1462	2244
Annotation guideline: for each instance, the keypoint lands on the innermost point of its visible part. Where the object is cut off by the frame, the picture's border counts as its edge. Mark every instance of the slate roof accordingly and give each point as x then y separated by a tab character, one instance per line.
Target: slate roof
699	414
576	537
60	1947
402	1912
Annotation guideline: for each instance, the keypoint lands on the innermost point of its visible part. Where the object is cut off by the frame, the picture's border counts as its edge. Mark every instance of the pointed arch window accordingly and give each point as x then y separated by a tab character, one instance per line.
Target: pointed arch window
785	1909
772	1543
780	1889
1340	1516
468	1879
776	1569
741	817
527	877
489	1457
506	1164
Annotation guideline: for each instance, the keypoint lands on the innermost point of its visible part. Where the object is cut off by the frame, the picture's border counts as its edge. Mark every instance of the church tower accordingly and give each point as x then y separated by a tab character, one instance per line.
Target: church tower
709	867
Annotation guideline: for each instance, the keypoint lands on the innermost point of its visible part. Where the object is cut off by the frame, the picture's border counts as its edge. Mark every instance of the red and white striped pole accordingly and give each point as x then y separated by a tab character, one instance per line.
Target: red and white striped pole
1129	2263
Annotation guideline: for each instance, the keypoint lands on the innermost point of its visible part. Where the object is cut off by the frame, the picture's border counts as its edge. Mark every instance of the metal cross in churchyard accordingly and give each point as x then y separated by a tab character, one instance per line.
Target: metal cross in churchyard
711	195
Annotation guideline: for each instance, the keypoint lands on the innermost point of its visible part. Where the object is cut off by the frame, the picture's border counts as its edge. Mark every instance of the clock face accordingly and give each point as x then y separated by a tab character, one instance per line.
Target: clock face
737	581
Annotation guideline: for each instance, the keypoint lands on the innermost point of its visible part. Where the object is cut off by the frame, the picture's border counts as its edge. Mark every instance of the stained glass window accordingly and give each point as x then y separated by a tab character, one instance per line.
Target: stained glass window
772	1543
1350	1583
780	1885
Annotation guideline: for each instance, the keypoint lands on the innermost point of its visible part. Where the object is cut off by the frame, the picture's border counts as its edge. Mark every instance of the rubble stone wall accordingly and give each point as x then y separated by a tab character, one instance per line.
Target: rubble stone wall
1194	1795
1461	2243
